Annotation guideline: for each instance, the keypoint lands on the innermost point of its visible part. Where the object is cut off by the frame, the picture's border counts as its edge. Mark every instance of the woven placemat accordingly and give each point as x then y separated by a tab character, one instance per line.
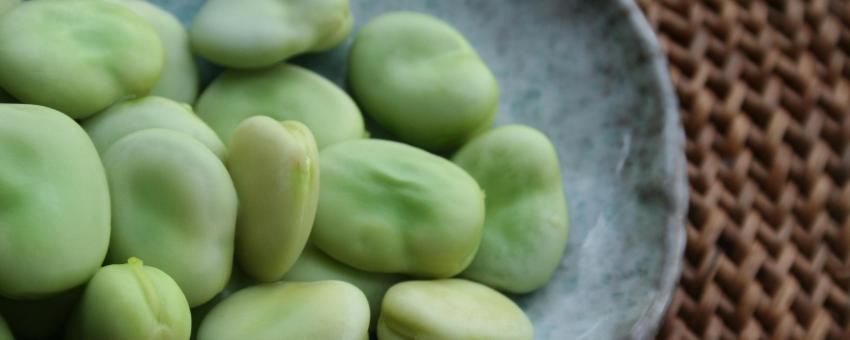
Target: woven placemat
764	90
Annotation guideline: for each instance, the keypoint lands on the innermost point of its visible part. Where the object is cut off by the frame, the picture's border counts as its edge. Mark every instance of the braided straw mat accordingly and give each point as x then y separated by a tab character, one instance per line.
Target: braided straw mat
764	90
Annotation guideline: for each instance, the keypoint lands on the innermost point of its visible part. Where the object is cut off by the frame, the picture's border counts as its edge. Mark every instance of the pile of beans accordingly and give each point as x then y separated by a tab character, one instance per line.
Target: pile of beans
137	204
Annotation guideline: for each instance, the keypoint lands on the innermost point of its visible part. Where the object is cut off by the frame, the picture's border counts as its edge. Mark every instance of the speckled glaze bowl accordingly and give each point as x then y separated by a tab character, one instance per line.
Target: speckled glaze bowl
591	75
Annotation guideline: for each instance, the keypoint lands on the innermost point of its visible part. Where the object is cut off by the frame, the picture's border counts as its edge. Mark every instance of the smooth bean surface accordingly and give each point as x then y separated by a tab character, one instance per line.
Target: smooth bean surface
315	265
525	230
130	116
54	203
179	80
7	5
259	33
332	310
275	168
392	208
453	309
282	92
174	207
422	81
131	301
78	57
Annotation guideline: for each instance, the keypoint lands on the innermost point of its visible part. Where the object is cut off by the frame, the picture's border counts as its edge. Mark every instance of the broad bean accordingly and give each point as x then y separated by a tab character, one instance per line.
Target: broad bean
525	230
131	301
54	203
259	33
275	168
290	310
174	207
392	208
78	57
315	265
450	309
422	81
179	80
282	92
7	5
130	116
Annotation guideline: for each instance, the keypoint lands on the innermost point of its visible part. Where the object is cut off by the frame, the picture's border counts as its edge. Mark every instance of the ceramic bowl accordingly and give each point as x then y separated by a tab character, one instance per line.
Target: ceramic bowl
591	75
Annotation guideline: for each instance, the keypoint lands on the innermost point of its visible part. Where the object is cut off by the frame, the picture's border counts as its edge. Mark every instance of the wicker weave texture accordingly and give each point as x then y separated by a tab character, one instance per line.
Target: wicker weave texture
764	90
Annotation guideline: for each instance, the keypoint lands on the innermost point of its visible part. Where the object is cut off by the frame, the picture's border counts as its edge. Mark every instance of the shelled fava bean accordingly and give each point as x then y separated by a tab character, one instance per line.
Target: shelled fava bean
137	204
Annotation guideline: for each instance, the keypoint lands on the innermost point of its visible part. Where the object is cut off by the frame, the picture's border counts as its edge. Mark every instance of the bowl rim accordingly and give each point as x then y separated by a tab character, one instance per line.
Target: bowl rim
675	168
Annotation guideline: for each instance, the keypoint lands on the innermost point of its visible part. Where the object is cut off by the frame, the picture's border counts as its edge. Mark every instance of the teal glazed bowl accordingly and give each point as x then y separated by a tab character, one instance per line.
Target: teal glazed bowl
591	75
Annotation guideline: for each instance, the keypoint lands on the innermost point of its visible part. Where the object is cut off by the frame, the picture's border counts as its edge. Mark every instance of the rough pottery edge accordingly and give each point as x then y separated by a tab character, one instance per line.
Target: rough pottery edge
675	167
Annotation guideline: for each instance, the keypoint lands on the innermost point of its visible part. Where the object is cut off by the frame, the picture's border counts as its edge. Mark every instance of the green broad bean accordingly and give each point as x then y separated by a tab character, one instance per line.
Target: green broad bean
525	230
7	5
282	92
54	203
260	33
134	115
314	265
78	57
131	301
179	80
450	309
392	208
173	206
290	310
422	81
275	168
